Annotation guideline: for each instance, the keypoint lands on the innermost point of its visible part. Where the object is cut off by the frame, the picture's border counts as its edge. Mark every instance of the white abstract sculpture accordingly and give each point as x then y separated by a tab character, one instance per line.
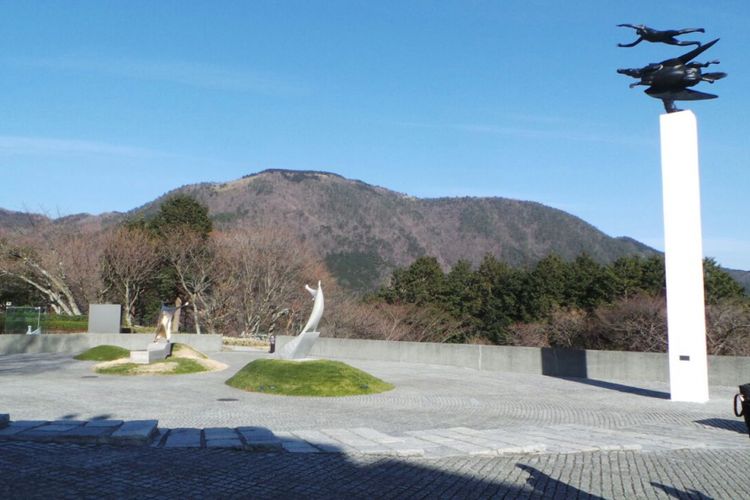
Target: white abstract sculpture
301	345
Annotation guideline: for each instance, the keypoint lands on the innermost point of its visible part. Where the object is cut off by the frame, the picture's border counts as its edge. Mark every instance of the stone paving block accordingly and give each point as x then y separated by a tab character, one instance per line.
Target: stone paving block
4	420
452	440
478	438
158	437
292	444
259	439
322	441
557	444
376	436
104	423
213	433
136	432
350	438
222	437
409	446
234	444
48	432
19	426
183	438
69	422
87	434
58	427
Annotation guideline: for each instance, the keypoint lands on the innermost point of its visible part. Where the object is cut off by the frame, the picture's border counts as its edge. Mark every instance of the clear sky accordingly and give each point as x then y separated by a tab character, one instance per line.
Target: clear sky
105	105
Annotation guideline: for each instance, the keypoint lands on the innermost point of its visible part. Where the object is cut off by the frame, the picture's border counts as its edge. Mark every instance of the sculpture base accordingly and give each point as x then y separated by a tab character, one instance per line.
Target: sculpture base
683	256
156	351
300	347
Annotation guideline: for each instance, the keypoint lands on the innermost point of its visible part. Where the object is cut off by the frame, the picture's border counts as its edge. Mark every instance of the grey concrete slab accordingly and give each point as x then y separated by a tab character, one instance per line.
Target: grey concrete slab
322	441
234	444
48	432
223	438
376	436
183	438
136	432
447	440
214	433
17	427
349	438
292	444
104	423
259	439
86	434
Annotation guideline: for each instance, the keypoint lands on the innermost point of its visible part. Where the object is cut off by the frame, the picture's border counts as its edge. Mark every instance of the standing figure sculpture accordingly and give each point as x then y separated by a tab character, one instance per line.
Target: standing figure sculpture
168	318
659	36
669	80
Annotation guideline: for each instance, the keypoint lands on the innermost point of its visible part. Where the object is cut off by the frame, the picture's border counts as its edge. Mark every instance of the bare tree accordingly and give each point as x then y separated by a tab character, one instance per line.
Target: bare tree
56	260
194	259
728	328
270	268
130	258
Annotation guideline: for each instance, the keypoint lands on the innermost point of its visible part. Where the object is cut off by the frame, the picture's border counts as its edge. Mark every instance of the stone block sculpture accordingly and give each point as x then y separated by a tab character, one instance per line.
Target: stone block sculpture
300	347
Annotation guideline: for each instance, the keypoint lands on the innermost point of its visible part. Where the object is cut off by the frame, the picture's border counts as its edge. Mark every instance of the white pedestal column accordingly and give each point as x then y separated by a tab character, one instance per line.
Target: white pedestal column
688	366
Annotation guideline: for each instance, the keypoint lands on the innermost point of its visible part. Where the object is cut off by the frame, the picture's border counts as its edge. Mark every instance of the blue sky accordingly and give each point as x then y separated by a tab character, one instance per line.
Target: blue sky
106	105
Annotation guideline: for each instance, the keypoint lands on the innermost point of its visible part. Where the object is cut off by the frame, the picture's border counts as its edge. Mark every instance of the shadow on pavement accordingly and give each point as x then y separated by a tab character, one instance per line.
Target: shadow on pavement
639	391
541	483
71	471
33	364
723	423
677	493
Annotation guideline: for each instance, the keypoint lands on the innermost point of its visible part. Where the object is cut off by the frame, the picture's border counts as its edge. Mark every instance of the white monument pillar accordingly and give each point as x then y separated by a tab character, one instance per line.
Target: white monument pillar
683	249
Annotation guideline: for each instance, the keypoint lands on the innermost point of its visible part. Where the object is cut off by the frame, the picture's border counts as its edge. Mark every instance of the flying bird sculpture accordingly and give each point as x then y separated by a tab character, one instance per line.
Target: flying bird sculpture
669	80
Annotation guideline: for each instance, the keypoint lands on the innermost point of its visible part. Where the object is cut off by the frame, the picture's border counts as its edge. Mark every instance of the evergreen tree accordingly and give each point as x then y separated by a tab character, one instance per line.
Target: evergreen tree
718	284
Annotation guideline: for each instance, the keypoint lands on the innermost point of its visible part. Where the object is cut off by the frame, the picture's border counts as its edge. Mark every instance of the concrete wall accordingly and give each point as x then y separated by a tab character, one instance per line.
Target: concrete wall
597	365
75	343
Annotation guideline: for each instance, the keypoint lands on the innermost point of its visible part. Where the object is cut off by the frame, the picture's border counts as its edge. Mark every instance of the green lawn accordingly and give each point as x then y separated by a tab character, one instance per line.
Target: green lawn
306	378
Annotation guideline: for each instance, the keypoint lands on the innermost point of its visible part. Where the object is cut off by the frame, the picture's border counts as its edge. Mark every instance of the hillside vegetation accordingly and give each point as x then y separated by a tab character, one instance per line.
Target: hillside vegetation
364	232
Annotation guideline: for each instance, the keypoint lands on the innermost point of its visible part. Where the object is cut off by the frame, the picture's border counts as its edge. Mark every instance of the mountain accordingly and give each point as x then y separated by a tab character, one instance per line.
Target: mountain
741	277
364	231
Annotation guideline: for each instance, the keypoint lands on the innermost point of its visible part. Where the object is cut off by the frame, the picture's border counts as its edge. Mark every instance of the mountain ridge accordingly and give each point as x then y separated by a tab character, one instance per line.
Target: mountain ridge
364	231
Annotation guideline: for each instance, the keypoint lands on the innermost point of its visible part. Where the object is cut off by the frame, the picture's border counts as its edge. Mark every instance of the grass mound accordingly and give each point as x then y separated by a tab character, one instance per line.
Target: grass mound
306	378
103	353
184	360
169	366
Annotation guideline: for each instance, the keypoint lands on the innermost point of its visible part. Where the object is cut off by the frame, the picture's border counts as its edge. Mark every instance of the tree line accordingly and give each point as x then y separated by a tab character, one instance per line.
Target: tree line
581	303
247	282
241	282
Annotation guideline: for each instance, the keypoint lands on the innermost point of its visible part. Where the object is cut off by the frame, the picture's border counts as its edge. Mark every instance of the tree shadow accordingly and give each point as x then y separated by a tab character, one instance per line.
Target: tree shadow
229	472
677	493
639	391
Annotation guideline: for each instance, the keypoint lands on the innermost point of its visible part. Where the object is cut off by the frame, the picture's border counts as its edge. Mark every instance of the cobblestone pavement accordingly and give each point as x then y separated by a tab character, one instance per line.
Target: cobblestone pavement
35	470
445	432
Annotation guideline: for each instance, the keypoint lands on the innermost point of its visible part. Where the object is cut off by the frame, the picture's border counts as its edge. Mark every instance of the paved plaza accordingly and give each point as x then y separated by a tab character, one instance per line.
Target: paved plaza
443	432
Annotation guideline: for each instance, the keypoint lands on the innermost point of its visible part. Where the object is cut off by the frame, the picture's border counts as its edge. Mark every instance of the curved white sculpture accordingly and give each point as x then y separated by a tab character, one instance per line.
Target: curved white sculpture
301	345
317	310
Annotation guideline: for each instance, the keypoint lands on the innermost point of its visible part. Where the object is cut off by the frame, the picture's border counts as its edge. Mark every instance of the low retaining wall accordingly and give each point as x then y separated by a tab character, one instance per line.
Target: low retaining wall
74	343
596	365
